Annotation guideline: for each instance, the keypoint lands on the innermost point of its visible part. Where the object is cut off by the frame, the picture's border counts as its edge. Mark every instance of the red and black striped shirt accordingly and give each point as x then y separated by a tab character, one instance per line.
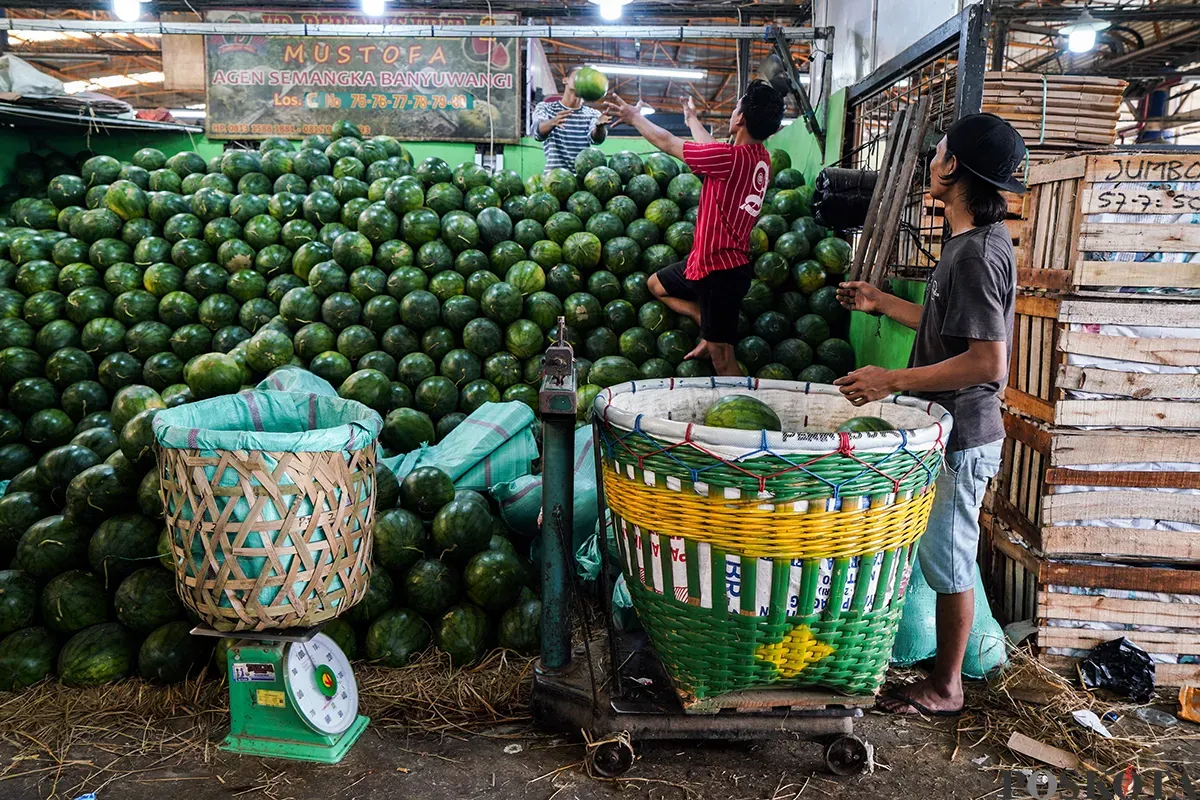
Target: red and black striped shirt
735	180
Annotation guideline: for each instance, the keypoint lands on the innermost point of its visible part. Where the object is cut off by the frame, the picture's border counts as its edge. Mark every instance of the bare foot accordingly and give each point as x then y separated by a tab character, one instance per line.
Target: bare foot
922	698
700	351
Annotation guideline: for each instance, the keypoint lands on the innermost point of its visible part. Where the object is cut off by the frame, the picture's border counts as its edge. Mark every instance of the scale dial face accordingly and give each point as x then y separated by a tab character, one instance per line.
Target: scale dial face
321	684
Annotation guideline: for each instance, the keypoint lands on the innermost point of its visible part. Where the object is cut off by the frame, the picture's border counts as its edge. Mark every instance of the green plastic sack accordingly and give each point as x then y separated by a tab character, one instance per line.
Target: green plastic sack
916	638
492	446
521	499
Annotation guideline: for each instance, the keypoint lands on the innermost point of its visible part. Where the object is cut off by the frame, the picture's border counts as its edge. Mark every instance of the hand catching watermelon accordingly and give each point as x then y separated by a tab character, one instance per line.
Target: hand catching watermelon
868	384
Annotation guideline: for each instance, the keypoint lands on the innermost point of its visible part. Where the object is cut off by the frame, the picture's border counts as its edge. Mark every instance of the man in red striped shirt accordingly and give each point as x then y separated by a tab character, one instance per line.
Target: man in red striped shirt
710	284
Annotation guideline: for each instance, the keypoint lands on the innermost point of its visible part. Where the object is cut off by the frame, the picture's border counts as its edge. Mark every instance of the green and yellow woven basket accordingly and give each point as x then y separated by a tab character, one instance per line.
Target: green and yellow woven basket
760	559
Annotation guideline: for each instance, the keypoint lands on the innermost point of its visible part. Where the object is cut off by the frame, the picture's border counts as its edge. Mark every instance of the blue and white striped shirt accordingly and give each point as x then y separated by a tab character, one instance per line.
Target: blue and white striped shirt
565	142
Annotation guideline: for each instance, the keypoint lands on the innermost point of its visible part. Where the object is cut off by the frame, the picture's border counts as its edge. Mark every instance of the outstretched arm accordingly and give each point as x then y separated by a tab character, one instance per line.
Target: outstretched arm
668	142
699	133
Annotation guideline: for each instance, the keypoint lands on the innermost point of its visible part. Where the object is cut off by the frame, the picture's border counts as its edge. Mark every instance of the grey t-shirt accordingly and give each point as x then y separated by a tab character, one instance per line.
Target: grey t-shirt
970	296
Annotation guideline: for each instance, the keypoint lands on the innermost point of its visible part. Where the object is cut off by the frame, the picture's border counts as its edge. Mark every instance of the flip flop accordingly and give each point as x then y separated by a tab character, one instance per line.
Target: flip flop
908	701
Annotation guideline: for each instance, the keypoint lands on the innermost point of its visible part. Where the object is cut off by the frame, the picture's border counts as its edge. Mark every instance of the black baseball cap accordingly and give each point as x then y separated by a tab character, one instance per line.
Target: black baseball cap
990	148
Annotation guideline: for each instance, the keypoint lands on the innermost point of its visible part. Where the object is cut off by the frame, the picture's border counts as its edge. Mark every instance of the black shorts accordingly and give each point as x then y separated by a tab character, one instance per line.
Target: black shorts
719	295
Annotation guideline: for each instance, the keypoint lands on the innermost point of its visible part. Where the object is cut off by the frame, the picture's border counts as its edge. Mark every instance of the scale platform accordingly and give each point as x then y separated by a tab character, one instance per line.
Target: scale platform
646	706
292	694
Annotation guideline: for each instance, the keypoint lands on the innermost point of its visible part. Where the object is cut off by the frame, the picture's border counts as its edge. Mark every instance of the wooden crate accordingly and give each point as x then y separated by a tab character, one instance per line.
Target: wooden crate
1020	580
1039	375
1038	461
1062	222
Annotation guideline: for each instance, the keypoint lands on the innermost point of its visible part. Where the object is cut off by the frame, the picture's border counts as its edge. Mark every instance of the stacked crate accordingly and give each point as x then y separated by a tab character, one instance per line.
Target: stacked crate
1095	528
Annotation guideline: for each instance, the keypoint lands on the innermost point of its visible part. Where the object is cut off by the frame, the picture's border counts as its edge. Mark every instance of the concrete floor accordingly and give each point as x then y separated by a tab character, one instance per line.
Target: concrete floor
914	759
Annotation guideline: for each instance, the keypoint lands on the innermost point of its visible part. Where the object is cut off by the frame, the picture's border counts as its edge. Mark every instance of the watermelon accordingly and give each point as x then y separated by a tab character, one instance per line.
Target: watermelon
582	250
119	543
612	370
588	159
431	586
171	653
561	225
812	329
462	633
619	315
832	254
399	539
147	600
436	396
74	600
457	311
836	354
824	302
396	636
520	627
785	176
97	655
502	370
18	511
26	656
742	412
18	601
590	84
560	183
492	579
528	232
426	490
541	206
461	528
50	546
865	424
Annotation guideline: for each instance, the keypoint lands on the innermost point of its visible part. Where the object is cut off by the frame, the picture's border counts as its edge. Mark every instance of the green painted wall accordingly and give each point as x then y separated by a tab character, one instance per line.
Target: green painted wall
453	153
880	341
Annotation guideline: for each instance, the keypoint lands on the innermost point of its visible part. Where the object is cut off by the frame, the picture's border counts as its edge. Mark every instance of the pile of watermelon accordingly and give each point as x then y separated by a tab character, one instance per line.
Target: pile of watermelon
420	290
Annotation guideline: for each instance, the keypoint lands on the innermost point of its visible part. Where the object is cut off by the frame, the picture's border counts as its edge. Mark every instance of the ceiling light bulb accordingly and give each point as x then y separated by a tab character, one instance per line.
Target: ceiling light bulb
373	8
610	9
1081	41
647	110
127	10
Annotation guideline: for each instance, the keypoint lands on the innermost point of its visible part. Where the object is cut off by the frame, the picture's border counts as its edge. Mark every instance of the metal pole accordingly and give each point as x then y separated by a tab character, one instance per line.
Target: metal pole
558	447
972	59
999	44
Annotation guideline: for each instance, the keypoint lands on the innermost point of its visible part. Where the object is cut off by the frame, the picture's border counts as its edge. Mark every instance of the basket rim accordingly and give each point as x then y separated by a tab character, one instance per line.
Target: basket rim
935	434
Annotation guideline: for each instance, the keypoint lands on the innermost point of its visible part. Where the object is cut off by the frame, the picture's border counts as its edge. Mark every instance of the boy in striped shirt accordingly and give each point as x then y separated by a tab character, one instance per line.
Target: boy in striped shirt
566	126
710	284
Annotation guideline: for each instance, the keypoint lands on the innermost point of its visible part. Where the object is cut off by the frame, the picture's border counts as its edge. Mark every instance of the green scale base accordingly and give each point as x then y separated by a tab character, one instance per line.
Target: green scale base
321	749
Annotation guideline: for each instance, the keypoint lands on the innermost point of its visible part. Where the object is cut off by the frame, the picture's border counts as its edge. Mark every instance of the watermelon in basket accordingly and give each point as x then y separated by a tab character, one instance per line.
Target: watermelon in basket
761	545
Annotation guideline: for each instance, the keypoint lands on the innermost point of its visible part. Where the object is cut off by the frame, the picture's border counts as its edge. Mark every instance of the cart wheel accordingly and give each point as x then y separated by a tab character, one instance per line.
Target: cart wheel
611	759
848	755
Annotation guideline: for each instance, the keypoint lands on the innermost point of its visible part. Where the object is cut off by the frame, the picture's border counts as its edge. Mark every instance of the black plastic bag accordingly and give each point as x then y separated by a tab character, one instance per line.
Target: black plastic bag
842	197
1122	667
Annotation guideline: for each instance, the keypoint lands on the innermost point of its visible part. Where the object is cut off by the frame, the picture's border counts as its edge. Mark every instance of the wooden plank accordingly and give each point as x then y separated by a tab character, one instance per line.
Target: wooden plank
1057	605
1070	448
1187	644
1120	576
1037	306
1123	237
759	699
1025	431
1137	198
1058	508
1173	274
1129	312
1143	166
1129	479
1139	385
1015	551
1119	542
1145	350
1054	280
1164	674
1019	522
1129	413
1029	405
1040	751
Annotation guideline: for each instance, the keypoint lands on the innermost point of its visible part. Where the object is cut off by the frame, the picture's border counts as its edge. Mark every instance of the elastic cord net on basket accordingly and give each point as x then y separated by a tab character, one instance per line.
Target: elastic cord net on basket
759	558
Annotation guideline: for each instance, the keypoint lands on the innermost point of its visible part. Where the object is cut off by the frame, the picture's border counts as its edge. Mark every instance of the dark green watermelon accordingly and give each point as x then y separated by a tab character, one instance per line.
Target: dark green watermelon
171	653
26	656
426	490
74	600
100	654
146	599
396	636
462	633
18	601
493	579
52	545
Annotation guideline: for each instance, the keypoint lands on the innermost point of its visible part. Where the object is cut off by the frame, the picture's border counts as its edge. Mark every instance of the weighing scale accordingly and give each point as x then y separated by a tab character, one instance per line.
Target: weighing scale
292	694
613	686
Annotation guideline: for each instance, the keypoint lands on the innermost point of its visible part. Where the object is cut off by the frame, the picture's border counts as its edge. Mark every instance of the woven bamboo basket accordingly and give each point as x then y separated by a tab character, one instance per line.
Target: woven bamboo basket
270	507
760	559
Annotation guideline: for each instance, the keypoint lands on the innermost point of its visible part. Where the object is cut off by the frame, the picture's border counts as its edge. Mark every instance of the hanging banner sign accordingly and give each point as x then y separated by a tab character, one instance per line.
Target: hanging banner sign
416	89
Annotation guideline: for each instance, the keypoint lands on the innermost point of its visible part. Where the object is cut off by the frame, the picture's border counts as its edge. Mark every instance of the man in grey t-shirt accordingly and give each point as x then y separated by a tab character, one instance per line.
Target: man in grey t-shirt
959	360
